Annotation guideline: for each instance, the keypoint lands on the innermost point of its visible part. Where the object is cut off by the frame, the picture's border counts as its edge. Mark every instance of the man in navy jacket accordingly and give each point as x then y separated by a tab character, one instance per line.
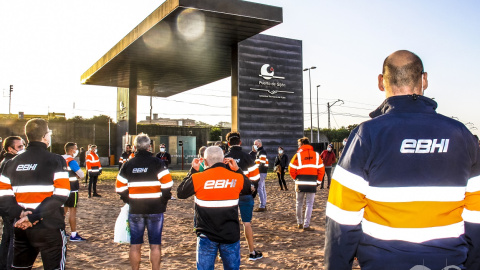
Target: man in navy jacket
406	191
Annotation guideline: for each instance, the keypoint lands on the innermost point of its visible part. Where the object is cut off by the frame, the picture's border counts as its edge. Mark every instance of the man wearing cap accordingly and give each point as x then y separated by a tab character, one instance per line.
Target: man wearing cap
328	157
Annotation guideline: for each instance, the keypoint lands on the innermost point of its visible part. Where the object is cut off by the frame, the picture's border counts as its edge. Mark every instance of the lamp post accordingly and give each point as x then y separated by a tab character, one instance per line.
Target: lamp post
311	118
318	119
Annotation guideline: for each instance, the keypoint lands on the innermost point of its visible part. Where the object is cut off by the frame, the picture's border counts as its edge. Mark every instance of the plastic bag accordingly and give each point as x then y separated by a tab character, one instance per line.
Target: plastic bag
122	228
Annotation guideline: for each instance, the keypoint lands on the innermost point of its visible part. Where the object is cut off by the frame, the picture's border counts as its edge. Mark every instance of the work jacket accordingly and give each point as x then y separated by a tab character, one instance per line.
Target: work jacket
246	163
406	192
262	160
93	163
145	183
216	191
306	168
72	168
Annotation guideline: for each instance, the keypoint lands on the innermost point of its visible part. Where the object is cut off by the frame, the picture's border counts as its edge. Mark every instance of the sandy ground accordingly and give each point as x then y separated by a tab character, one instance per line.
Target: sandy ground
283	245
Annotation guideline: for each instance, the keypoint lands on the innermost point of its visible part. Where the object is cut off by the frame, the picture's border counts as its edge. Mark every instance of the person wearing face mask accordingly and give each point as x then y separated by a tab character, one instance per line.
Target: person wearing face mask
33	187
164	155
340	151
405	193
74	174
12	146
328	157
281	163
94	169
262	161
125	155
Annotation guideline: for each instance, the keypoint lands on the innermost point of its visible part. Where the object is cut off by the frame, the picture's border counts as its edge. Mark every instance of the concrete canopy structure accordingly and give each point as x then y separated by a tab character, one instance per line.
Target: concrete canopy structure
182	45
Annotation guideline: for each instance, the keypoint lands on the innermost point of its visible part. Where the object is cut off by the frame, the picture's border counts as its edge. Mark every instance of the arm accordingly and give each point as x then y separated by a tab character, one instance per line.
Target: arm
166	184
471	212
186	188
61	191
292	167
345	206
121	185
76	169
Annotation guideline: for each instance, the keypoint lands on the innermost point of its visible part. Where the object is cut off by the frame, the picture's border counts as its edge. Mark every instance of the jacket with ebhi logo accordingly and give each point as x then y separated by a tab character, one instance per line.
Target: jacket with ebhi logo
36	180
406	192
145	183
216	191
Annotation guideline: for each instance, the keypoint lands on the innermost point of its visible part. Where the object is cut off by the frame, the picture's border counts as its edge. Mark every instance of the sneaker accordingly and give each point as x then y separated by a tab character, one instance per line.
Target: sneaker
97	195
300	226
258	255
260	209
308	228
77	238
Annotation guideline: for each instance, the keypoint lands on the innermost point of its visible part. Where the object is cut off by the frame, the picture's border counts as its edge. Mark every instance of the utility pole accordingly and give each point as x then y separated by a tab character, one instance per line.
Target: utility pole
311	118
10	98
318	119
328	109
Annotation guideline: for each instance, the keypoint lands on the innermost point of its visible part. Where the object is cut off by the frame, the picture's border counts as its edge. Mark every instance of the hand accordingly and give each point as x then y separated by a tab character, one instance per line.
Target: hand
25	213
196	163
231	163
252	187
23	223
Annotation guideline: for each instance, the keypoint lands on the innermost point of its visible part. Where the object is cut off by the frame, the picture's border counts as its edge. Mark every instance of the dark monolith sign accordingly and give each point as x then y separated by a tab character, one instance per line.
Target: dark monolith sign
267	93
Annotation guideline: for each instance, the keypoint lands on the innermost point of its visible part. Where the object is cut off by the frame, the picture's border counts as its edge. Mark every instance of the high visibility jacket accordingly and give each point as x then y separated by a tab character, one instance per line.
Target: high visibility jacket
306	168
72	168
262	160
145	183
124	158
93	163
36	180
246	163
406	192
216	191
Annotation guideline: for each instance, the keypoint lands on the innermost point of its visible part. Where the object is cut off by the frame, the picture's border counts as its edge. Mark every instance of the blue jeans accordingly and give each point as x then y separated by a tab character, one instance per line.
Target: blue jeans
207	253
153	223
262	192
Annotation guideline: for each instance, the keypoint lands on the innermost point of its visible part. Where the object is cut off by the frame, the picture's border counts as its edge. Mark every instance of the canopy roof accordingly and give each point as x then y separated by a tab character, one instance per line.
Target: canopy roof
182	45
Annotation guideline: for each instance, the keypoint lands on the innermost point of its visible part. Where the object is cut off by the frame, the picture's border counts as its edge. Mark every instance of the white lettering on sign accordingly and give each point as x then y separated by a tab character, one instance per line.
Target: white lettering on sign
423	146
139	170
26	167
220	183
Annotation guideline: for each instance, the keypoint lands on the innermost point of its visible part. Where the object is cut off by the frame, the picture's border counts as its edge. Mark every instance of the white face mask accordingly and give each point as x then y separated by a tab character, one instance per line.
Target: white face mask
344	142
280	151
255	147
329	149
95	151
75	153
20	151
162	149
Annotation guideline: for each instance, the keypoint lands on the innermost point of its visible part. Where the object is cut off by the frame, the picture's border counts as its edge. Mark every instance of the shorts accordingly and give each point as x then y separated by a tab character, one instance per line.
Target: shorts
72	200
153	223
245	203
50	243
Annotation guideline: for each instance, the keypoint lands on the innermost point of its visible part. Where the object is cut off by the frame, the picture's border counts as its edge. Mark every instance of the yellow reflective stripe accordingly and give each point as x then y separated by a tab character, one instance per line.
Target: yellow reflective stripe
342	216
414	235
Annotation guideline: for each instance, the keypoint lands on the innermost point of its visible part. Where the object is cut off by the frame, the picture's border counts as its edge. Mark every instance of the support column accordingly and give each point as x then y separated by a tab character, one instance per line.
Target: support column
235	88
132	105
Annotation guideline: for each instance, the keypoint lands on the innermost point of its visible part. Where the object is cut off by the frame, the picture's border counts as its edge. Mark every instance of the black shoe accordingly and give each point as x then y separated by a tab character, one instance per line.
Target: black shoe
89	195
258	255
97	195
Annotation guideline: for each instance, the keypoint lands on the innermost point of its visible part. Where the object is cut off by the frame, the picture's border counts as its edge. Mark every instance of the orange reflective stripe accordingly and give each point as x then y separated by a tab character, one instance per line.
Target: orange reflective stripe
166	179
143	190
406	214
345	198
62	183
32	197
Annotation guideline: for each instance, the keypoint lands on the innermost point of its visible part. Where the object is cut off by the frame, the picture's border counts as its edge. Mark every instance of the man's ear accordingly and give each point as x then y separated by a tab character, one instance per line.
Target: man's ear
380	83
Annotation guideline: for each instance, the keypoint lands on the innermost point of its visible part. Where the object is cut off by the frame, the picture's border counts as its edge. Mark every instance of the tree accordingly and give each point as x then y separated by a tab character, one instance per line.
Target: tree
215	133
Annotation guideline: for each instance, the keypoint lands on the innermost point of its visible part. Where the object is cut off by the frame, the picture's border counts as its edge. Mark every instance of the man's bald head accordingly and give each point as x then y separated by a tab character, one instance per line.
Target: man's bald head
402	74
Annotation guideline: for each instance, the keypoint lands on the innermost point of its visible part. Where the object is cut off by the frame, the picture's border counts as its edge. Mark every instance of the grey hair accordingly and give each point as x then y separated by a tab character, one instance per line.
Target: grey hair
213	155
142	142
259	141
201	151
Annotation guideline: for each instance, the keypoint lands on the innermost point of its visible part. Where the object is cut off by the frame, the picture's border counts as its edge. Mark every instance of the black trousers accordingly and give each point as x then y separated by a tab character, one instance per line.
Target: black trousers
92	182
281	179
6	247
328	172
50	243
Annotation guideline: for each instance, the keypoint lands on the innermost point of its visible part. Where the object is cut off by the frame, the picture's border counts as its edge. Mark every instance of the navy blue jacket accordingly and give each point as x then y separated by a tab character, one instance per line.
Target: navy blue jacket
406	192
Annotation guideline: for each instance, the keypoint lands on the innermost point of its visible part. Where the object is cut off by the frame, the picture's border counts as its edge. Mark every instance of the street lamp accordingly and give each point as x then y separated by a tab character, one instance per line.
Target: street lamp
318	119
311	118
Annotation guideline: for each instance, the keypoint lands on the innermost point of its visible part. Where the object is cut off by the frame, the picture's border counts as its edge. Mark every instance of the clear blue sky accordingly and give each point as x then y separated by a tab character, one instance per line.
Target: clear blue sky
46	45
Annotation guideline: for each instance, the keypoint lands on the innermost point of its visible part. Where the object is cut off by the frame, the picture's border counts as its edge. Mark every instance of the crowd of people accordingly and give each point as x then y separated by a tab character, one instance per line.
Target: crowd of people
404	194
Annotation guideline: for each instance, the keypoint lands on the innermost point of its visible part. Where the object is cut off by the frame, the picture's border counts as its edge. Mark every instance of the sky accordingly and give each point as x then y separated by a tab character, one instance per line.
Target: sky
45	46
